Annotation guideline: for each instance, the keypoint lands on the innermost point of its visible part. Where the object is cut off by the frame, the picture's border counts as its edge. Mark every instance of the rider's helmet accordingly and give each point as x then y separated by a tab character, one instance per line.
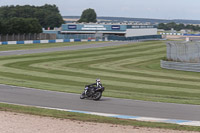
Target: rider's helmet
98	81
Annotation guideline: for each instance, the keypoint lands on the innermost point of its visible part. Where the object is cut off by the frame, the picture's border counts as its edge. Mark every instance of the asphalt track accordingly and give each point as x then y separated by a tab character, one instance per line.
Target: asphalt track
35	97
65	48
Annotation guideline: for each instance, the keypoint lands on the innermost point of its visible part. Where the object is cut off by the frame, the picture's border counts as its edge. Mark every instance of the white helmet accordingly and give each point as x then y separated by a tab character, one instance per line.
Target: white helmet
98	80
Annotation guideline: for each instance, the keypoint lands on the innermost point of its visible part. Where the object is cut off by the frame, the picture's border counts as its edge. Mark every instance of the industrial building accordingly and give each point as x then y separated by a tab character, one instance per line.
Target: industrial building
104	30
126	30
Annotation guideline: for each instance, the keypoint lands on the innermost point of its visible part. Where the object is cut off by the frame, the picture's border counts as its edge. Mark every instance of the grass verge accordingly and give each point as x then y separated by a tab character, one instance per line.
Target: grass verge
91	118
129	71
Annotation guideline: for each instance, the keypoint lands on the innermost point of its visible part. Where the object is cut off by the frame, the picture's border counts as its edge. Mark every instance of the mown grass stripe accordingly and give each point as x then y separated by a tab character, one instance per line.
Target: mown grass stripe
128	71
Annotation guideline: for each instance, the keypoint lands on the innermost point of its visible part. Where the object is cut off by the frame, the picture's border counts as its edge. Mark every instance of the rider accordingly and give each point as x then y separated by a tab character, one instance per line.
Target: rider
93	90
97	84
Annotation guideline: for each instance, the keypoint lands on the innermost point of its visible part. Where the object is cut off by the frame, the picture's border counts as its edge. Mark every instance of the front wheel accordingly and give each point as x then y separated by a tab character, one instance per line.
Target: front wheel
82	95
97	95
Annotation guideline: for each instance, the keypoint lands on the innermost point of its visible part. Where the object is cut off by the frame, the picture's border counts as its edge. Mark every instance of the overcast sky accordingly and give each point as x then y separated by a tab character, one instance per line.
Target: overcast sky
164	9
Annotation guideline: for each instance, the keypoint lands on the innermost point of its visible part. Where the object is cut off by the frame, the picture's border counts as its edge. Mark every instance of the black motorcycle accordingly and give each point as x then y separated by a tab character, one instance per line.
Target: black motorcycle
91	92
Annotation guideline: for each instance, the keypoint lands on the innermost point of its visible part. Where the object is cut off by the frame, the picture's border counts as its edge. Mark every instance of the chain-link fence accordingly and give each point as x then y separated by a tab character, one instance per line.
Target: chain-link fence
183	51
22	37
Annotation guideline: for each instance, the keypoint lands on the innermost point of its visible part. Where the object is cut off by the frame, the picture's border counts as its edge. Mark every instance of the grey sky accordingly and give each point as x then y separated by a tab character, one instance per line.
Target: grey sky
165	9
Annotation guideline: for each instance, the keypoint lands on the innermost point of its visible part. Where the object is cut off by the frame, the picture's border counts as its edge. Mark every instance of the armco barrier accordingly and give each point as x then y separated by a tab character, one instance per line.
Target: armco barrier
4	43
12	42
66	40
52	41
183	66
59	40
35	41
20	42
77	40
44	41
28	42
48	41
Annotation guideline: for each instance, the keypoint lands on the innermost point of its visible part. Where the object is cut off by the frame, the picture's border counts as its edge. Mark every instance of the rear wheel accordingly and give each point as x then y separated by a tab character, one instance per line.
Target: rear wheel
97	95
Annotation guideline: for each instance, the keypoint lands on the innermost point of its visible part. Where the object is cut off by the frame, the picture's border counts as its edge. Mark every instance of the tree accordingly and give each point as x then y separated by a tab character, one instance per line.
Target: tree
161	26
2	30
49	16
33	25
177	27
171	25
20	26
88	15
43	13
53	20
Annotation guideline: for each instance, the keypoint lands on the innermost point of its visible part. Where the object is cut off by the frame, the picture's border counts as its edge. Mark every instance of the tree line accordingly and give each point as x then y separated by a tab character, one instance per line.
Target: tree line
28	19
178	27
88	15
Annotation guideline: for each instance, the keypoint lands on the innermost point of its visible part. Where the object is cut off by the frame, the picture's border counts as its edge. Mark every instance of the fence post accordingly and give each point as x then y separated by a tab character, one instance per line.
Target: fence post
29	36
13	37
176	52
198	52
185	50
6	37
187	53
35	36
169	56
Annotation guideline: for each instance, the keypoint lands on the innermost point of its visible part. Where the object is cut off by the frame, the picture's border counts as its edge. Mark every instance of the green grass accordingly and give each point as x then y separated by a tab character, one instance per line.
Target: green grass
41	45
91	118
129	71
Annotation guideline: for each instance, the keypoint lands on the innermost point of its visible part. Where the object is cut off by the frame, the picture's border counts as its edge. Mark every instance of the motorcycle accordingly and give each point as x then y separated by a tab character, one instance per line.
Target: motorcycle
93	93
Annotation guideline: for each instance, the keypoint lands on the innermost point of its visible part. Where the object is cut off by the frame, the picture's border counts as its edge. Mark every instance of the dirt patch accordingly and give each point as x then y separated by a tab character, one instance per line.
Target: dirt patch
22	123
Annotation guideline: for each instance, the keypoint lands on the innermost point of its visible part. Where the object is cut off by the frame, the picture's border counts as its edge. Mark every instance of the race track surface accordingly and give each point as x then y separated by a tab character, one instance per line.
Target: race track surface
65	48
34	97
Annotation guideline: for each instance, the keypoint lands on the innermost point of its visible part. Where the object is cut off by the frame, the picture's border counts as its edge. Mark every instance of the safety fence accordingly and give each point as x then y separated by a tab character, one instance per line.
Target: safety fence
22	37
183	52
48	41
183	66
122	38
